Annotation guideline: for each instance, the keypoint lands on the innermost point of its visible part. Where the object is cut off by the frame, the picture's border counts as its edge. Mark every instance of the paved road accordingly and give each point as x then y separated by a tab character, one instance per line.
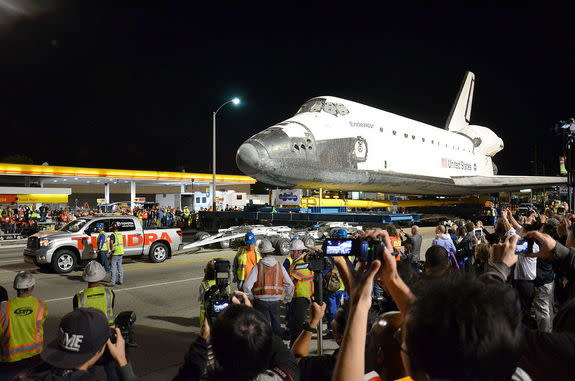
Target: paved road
163	295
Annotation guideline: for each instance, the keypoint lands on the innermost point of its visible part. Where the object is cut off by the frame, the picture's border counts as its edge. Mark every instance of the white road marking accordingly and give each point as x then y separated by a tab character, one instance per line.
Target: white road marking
132	288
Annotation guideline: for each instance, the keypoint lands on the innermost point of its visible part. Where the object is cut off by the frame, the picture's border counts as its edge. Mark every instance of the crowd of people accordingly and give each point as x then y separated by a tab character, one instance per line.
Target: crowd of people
26	220
482	305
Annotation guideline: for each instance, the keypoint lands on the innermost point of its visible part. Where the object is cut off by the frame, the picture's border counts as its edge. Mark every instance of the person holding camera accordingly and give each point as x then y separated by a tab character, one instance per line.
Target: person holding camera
101	298
268	284
208	282
83	337
243	345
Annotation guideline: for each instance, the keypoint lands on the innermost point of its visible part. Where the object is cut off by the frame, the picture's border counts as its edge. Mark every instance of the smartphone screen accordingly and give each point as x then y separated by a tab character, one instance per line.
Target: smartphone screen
478	233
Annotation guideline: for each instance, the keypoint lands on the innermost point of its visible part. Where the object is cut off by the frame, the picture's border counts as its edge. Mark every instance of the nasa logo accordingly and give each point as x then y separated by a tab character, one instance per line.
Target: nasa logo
23	311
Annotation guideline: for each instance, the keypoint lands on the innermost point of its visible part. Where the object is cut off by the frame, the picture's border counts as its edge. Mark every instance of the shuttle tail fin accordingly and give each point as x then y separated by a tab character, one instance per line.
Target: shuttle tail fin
460	114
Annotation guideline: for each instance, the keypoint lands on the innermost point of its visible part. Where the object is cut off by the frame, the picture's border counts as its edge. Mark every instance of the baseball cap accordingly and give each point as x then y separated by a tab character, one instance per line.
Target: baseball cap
297	244
23	280
81	334
94	272
266	247
99	226
250	238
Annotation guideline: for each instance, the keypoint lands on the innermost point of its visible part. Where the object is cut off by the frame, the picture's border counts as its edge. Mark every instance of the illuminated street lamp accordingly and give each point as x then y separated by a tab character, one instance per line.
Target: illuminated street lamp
235	101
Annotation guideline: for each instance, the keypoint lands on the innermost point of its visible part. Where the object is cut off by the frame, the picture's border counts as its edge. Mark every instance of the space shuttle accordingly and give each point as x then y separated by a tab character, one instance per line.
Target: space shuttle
337	144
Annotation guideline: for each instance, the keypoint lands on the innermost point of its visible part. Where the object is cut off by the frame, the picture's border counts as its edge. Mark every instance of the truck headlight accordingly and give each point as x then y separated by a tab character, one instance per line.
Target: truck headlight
45	242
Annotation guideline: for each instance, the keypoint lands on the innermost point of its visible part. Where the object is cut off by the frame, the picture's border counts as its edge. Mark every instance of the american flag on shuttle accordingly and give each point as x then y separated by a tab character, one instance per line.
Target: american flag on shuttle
444	163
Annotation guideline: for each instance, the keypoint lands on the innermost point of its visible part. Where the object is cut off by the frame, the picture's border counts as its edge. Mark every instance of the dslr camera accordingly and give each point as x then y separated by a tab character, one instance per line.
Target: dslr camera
218	297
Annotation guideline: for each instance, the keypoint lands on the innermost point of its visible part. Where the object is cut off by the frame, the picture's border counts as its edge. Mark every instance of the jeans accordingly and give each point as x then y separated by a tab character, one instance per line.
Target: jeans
103	259
298	316
526	291
333	302
117	269
271	311
543	306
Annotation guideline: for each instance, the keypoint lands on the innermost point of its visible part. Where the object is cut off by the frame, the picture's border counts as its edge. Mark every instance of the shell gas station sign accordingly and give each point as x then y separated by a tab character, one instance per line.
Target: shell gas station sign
33	198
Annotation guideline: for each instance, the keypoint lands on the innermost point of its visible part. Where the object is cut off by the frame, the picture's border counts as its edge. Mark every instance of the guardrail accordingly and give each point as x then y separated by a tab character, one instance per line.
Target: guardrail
13	243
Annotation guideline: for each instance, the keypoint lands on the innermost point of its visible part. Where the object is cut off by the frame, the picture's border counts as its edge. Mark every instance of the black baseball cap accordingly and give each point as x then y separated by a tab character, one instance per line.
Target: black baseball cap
81	334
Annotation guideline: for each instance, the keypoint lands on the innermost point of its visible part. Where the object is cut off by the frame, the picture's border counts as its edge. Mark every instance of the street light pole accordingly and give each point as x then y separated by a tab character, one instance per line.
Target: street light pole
235	101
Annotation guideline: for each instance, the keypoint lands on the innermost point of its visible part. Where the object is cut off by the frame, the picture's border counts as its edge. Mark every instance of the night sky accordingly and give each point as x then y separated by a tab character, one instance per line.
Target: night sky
121	84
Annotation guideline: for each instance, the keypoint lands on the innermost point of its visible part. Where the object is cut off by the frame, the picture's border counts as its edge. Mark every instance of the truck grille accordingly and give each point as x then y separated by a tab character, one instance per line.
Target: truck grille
33	243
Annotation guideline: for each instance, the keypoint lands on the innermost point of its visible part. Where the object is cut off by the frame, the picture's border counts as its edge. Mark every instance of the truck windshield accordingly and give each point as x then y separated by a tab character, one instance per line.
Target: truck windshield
74	226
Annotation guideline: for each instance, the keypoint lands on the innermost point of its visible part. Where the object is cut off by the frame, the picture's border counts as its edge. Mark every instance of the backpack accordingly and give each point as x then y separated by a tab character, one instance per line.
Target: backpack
331	282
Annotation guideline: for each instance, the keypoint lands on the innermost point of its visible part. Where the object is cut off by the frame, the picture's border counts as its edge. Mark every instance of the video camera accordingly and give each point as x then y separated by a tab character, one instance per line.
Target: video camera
217	298
125	321
565	126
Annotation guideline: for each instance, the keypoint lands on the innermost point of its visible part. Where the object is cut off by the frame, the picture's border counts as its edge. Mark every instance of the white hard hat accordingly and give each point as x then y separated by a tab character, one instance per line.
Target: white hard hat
297	244
94	272
266	247
23	280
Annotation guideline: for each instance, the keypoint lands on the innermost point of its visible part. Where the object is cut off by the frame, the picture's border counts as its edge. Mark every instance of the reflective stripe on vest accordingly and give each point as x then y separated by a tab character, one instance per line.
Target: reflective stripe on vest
303	279
118	245
267	275
17	342
99	298
242	273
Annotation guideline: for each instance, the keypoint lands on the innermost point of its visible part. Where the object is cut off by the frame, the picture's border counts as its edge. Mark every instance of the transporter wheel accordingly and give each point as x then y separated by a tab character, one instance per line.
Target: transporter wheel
158	252
63	261
224	244
308	240
282	246
201	235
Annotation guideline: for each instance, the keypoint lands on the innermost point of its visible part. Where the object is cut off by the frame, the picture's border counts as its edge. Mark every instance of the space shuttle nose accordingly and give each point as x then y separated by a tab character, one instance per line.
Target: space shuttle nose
251	157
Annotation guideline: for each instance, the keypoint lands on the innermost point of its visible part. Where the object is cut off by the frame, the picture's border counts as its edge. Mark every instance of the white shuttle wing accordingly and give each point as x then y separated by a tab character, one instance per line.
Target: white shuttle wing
495	183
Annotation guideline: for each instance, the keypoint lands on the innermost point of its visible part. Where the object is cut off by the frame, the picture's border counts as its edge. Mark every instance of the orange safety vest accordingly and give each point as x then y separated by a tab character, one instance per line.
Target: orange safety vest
270	280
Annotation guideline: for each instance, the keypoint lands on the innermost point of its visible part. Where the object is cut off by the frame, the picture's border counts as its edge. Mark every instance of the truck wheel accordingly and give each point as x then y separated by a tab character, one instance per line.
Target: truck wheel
224	244
282	246
158	252
201	235
308	240
63	261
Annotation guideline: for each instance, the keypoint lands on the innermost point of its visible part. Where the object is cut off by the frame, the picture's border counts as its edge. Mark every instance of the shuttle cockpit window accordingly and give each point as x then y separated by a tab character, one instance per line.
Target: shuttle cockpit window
319	104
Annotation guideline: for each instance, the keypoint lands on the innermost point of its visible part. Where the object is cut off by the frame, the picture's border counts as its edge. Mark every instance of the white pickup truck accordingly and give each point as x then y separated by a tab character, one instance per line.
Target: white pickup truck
75	243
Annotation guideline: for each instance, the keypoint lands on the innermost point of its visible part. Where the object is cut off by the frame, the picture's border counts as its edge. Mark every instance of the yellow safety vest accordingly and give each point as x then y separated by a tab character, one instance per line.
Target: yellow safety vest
206	285
22	322
302	279
105	245
243	260
101	298
118	245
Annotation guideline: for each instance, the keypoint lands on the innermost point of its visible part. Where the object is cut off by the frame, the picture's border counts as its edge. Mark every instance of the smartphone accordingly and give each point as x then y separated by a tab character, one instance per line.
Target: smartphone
478	233
524	246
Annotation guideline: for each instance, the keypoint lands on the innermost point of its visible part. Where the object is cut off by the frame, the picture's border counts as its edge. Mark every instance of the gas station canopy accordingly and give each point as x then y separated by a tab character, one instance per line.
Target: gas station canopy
78	175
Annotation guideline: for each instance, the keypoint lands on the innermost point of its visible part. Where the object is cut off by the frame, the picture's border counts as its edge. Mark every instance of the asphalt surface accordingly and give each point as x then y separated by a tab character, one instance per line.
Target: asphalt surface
163	295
